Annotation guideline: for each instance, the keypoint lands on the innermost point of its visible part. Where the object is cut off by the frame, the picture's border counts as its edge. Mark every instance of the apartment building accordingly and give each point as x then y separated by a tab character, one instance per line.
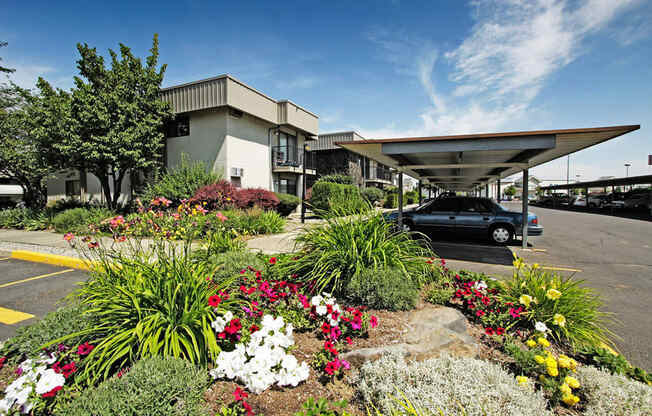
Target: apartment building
330	158
250	138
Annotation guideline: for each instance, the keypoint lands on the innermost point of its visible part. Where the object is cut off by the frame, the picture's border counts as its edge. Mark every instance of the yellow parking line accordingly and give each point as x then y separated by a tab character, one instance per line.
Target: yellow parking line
10	316
5	258
562	269
36	277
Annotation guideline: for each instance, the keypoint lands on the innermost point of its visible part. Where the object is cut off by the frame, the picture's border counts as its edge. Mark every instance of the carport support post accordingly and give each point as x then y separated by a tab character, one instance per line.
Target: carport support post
486	190
419	191
400	200
525	205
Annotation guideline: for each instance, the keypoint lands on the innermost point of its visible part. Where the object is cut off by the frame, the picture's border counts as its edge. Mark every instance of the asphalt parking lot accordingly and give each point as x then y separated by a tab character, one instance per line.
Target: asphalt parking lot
612	254
30	290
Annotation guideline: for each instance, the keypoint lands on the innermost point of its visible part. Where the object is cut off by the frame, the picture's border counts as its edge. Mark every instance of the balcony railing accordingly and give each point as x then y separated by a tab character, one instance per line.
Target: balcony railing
292	157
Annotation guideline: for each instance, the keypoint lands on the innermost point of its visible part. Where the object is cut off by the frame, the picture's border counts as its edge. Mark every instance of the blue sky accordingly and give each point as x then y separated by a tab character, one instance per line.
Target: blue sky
385	68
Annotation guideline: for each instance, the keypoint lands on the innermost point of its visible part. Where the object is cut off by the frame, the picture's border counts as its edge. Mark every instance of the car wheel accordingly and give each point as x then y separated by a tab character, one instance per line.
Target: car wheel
501	234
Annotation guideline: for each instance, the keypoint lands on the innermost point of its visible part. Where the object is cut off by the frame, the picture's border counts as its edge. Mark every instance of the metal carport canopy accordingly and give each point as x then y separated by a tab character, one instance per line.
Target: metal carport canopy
462	162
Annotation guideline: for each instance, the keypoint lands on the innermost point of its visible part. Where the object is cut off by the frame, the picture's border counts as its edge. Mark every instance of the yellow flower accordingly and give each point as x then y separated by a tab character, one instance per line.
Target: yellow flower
608	348
535	266
522	380
551	362
559	320
530	343
553	371
539	359
572	382
564	361
525	300
565	388
518	263
570	399
543	342
553	294
573	364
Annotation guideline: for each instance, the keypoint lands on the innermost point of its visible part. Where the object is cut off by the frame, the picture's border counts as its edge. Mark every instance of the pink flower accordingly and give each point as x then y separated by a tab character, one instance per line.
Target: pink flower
515	313
239	394
335	332
68	236
356	324
221	217
345	364
85	349
373	321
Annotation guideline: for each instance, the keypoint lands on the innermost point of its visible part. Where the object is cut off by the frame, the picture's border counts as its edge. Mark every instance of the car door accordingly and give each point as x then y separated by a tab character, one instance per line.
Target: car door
474	218
439	217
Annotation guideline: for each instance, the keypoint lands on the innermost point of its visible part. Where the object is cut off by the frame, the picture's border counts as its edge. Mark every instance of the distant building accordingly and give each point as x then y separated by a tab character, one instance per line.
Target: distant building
330	158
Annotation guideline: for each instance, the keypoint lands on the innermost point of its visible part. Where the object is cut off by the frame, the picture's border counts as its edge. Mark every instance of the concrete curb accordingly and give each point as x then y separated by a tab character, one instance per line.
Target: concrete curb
52	259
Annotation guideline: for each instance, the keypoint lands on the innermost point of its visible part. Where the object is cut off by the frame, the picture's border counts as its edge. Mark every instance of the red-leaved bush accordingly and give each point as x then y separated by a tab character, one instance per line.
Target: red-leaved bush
219	195
256	197
223	195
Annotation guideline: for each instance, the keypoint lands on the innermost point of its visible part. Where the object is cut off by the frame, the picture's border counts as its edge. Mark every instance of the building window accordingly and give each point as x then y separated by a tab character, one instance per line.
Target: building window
178	127
236	181
285	186
73	188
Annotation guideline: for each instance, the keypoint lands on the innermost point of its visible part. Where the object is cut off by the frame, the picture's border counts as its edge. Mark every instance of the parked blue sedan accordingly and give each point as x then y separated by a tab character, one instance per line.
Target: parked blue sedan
467	216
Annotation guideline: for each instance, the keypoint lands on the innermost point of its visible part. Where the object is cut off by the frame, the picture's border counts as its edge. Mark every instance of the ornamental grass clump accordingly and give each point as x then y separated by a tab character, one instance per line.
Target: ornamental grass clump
447	385
333	254
149	301
570	310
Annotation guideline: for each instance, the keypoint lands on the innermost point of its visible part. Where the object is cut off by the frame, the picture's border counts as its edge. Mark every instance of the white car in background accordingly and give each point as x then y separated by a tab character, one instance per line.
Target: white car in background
579	202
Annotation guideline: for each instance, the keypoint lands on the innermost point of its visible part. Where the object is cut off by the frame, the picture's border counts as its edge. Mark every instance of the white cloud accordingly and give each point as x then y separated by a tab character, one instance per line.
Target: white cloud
514	47
26	75
298	83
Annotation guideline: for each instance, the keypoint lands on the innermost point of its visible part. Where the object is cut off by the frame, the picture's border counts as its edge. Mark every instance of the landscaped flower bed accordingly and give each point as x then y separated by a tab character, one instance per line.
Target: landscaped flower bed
261	337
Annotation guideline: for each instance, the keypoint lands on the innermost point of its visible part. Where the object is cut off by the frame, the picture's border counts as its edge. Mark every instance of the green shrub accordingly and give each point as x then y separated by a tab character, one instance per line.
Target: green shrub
609	360
254	221
228	265
372	195
337	178
613	395
345	247
149	301
322	407
181	182
333	198
438	294
152	387
77	220
448	386
411	197
583	324
383	288
217	242
287	203
59	323
25	218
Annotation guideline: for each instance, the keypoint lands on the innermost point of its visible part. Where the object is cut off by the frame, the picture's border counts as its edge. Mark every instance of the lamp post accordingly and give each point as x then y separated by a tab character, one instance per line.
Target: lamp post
306	148
627	165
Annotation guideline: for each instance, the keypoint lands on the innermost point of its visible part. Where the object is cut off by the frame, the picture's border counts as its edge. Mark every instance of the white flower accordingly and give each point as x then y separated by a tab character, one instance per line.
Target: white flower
316	300
5	405
49	380
228	316
47	359
218	325
540	326
289	362
481	285
321	310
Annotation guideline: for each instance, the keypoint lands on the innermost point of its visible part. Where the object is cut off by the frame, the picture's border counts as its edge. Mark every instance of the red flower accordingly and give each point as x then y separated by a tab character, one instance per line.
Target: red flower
51	393
247	407
239	395
122	372
258	273
85	349
515	313
325	328
332	367
233	327
272	260
253	328
479	313
3	360
348	340
214	301
68	369
500	331
373	321
489	331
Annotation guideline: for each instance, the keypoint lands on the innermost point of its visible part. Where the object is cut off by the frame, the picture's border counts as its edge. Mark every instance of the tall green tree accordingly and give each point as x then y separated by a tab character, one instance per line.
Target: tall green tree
2	68
510	191
21	158
112	121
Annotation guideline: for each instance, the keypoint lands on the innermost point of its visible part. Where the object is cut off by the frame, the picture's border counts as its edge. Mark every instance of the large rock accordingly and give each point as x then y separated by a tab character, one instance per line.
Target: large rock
431	330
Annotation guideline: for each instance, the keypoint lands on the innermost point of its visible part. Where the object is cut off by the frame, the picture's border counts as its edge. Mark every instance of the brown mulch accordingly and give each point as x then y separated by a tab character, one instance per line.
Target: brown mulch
278	401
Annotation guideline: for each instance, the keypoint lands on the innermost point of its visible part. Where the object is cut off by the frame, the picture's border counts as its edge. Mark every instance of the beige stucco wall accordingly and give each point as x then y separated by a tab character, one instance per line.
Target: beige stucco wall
205	142
247	148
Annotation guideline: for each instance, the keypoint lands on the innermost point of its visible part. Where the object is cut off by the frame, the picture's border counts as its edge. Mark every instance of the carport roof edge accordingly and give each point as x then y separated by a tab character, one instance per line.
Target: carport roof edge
486	148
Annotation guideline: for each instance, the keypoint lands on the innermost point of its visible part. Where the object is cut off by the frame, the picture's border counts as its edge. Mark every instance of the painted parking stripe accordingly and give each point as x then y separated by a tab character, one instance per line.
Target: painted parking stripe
10	316
561	269
29	279
5	258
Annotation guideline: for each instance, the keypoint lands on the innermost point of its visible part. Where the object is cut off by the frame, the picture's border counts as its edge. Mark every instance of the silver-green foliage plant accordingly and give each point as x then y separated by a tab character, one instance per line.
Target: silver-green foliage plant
344	247
447	385
613	395
149	301
153	387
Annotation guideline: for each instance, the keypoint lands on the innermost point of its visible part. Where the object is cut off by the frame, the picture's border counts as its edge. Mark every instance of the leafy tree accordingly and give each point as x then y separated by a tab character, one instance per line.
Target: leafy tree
112	122
2	68
510	191
21	159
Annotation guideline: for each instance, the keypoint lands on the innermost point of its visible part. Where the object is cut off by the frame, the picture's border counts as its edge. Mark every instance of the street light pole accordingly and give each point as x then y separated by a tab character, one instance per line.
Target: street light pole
627	165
